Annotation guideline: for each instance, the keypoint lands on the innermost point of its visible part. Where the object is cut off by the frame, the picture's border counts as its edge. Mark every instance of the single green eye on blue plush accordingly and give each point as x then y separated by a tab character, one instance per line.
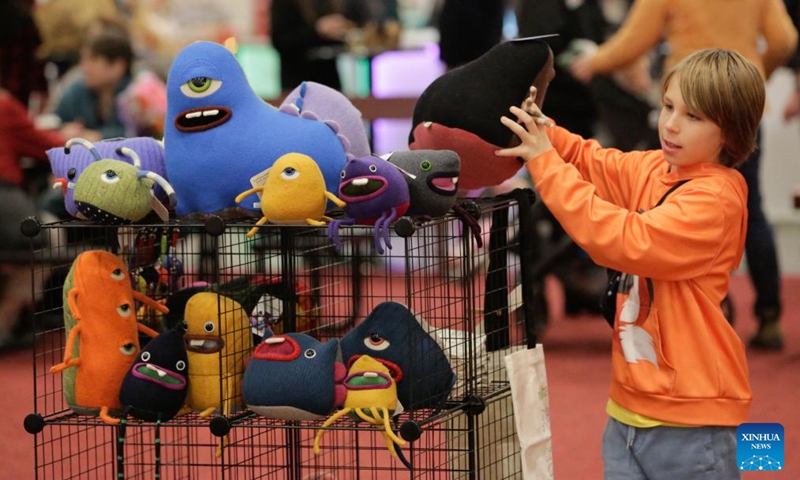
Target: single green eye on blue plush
426	165
200	87
199	84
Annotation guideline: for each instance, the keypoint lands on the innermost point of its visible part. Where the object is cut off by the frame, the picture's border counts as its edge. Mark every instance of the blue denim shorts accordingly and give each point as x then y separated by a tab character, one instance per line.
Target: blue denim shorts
669	453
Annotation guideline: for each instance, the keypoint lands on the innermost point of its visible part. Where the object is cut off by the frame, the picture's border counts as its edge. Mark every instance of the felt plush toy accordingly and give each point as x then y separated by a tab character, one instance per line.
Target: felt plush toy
294	377
115	192
375	193
460	110
102	333
154	389
321	102
404	342
293	192
218	340
68	163
432	177
219	133
371	397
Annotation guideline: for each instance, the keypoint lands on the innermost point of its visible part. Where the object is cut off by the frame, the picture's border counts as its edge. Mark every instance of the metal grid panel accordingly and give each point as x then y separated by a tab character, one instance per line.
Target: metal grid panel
292	279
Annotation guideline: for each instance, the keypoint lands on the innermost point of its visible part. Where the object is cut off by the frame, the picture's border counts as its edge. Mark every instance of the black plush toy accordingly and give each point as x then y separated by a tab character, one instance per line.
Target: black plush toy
461	110
155	386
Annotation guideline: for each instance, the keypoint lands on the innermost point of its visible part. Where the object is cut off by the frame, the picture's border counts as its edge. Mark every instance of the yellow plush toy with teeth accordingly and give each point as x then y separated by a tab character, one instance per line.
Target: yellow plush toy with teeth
294	192
218	340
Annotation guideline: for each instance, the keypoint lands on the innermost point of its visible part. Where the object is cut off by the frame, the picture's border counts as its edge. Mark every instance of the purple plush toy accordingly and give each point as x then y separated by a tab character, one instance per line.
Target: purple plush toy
376	194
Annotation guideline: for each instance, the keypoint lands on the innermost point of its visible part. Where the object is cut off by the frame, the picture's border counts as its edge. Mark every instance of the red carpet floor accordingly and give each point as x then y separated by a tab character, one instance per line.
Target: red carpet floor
578	364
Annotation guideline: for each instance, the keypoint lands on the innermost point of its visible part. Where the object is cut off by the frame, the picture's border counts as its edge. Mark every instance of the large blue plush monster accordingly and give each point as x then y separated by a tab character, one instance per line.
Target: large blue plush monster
219	133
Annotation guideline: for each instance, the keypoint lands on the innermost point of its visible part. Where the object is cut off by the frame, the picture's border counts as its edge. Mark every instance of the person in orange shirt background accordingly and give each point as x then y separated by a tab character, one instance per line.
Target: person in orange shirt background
740	25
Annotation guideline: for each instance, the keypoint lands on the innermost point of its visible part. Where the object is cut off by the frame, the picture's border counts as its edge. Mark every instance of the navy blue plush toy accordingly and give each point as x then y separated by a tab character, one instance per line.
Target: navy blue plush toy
394	336
294	377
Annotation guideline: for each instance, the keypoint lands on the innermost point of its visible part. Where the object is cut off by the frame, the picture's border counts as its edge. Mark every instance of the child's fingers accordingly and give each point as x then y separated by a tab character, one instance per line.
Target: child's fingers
513	126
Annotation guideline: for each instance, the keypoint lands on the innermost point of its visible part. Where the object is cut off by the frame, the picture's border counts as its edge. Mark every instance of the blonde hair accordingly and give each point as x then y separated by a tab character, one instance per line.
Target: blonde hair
727	89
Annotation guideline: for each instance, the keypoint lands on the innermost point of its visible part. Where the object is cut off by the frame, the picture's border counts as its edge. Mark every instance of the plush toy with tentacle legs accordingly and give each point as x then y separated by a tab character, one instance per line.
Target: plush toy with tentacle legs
371	397
375	193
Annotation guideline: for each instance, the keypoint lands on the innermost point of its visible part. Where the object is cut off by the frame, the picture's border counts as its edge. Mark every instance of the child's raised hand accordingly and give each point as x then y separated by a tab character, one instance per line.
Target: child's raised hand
534	139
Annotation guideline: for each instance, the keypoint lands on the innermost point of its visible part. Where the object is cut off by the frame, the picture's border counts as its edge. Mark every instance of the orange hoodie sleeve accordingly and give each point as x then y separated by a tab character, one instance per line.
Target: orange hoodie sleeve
611	171
680	239
639	33
780	36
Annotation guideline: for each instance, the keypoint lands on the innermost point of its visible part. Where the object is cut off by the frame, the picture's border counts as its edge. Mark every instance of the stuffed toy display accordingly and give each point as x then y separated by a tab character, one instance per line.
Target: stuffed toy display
219	134
218	340
460	110
403	342
432	177
375	193
294	377
102	333
68	163
115	192
371	397
154	389
294	192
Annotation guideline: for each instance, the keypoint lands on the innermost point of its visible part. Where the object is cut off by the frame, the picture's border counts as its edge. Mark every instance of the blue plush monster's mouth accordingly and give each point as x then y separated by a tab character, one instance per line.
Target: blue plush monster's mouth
363	188
203	118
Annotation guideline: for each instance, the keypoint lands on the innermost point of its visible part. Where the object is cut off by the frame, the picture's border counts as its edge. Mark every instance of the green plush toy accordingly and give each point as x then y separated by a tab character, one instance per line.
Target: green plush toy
116	192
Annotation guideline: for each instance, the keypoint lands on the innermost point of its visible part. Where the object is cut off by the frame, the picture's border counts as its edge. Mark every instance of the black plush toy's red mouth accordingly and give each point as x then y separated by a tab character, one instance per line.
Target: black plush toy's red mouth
444	183
359	189
203	343
203	118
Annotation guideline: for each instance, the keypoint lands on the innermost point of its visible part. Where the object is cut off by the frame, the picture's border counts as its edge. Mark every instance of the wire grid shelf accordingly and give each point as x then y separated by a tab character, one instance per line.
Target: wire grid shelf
291	279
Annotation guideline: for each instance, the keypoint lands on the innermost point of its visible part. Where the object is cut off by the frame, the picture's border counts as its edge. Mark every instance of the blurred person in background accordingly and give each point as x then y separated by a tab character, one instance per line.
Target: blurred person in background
309	35
105	71
19	140
468	29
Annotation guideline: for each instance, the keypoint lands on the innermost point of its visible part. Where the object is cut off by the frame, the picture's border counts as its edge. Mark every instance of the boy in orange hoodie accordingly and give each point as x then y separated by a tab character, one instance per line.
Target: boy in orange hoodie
680	384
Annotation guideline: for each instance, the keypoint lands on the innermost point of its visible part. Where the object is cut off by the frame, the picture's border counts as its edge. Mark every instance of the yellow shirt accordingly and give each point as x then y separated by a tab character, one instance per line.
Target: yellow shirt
623	415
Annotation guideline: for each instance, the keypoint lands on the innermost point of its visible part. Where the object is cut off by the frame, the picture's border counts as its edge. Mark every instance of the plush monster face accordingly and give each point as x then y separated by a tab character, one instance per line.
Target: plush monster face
294	377
155	386
109	191
434	184
371	186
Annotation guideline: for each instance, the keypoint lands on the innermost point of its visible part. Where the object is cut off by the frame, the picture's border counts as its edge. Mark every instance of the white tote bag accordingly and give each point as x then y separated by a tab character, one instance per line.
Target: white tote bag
528	380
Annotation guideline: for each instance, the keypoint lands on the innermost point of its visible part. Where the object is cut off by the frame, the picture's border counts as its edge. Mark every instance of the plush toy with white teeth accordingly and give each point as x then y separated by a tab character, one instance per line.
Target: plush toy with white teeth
218	340
219	134
155	387
432	177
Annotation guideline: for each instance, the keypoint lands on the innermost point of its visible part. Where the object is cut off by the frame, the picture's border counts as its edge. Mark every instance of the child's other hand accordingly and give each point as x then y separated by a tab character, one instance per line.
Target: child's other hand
534	139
